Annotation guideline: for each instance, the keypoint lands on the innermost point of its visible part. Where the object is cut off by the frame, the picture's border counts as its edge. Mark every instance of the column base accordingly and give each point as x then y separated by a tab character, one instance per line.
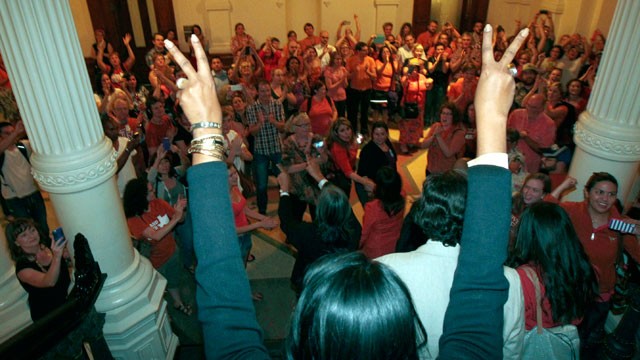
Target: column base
14	309
137	323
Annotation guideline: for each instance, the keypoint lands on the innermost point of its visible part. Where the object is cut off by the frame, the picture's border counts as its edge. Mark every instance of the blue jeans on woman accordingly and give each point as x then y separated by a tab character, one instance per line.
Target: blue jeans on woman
261	166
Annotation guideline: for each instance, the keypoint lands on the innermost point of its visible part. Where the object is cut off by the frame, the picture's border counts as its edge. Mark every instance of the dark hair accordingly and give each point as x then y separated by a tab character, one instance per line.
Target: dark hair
559	48
389	190
236	26
393	63
308	24
134	199
440	210
579	82
332	57
354	308
216	57
4	124
548	240
14	229
291	32
466	120
360	45
406	25
334	137
196	26
379	124
288	65
169	156
316	85
332	215
454	110
597	177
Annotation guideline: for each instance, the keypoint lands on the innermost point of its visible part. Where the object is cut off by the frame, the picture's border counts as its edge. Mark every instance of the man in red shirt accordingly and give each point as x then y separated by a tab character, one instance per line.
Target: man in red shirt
536	129
427	38
311	39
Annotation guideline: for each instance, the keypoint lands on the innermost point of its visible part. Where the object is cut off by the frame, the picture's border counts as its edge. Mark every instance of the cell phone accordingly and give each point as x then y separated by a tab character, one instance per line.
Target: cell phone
58	235
546	12
379	39
166	144
623	227
318	145
359	138
237	87
347	22
247	50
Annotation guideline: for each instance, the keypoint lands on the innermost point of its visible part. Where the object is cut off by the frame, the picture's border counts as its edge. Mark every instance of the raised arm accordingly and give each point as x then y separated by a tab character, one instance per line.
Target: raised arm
225	308
474	319
131	57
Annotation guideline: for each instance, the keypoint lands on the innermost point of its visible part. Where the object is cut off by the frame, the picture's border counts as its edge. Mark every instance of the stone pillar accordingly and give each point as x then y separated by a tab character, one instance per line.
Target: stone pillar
75	163
14	311
608	132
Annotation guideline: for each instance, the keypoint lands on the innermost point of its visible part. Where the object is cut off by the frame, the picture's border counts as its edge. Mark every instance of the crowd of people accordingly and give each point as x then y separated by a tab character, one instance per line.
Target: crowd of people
316	116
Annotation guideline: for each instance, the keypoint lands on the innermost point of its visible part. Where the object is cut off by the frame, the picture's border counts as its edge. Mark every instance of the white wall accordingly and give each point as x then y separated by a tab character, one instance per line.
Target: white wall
264	18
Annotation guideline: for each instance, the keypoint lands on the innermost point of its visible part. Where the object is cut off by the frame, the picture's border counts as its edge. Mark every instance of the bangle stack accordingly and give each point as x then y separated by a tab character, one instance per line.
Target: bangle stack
210	145
206	125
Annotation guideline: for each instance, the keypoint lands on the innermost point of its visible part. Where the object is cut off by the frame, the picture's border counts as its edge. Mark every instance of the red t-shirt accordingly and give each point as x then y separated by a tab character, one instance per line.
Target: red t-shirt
345	159
155	132
158	216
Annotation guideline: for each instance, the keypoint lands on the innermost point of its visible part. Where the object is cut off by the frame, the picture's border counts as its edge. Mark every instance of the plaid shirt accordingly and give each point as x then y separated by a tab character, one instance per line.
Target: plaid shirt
267	140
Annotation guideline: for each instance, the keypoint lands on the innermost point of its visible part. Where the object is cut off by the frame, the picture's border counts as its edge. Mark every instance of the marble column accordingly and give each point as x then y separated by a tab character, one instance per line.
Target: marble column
608	132
14	311
75	163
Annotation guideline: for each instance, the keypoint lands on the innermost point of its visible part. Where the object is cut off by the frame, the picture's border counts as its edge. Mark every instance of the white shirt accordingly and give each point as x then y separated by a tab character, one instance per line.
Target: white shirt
324	58
17	181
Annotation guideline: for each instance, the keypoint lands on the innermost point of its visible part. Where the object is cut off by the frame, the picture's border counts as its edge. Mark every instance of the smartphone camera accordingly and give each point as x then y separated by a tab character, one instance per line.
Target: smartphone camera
58	235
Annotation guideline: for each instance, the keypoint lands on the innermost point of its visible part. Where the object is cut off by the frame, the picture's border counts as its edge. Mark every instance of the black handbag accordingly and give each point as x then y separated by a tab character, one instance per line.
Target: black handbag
411	110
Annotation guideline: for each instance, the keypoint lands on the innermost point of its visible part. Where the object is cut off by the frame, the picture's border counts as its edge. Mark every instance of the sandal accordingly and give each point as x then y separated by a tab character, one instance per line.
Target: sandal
184	308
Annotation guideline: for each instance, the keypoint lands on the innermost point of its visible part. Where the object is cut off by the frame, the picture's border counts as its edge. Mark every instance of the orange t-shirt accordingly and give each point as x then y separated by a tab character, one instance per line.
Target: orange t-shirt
361	80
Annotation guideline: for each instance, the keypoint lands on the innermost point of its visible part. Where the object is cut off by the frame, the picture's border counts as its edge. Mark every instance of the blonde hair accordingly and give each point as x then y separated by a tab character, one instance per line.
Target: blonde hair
295	120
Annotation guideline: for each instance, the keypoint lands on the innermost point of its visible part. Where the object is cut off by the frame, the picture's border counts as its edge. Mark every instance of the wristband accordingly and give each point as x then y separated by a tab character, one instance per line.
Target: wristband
206	125
322	183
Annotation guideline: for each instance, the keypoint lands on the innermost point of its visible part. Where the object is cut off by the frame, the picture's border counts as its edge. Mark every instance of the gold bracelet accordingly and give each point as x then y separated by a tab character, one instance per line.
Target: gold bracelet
208	139
215	152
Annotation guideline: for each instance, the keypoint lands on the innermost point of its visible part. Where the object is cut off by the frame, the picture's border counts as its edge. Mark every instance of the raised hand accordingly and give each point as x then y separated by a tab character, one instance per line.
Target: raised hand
198	97
126	39
495	91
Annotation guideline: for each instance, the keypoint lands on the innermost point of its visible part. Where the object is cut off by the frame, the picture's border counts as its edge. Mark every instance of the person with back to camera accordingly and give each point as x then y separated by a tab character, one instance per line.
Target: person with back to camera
429	271
548	246
473	322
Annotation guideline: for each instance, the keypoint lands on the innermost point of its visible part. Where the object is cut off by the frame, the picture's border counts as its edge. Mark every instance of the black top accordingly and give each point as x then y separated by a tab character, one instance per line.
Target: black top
44	300
306	239
372	158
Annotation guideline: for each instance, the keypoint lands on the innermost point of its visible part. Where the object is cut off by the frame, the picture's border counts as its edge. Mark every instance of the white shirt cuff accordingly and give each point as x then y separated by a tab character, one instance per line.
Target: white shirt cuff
495	159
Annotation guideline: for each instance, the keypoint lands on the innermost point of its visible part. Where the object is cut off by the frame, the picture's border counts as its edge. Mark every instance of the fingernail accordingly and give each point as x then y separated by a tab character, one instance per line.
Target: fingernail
168	44
487	28
194	38
524	32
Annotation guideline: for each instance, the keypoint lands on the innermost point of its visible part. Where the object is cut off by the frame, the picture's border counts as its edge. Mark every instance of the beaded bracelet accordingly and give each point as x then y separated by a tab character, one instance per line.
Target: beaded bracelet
206	125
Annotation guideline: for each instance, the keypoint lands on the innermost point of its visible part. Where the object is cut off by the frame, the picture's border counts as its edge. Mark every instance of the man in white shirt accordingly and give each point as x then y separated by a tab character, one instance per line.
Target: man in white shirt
324	49
19	189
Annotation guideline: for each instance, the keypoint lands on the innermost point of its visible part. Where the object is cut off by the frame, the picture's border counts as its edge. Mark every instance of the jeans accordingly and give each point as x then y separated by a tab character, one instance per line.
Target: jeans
31	206
261	165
